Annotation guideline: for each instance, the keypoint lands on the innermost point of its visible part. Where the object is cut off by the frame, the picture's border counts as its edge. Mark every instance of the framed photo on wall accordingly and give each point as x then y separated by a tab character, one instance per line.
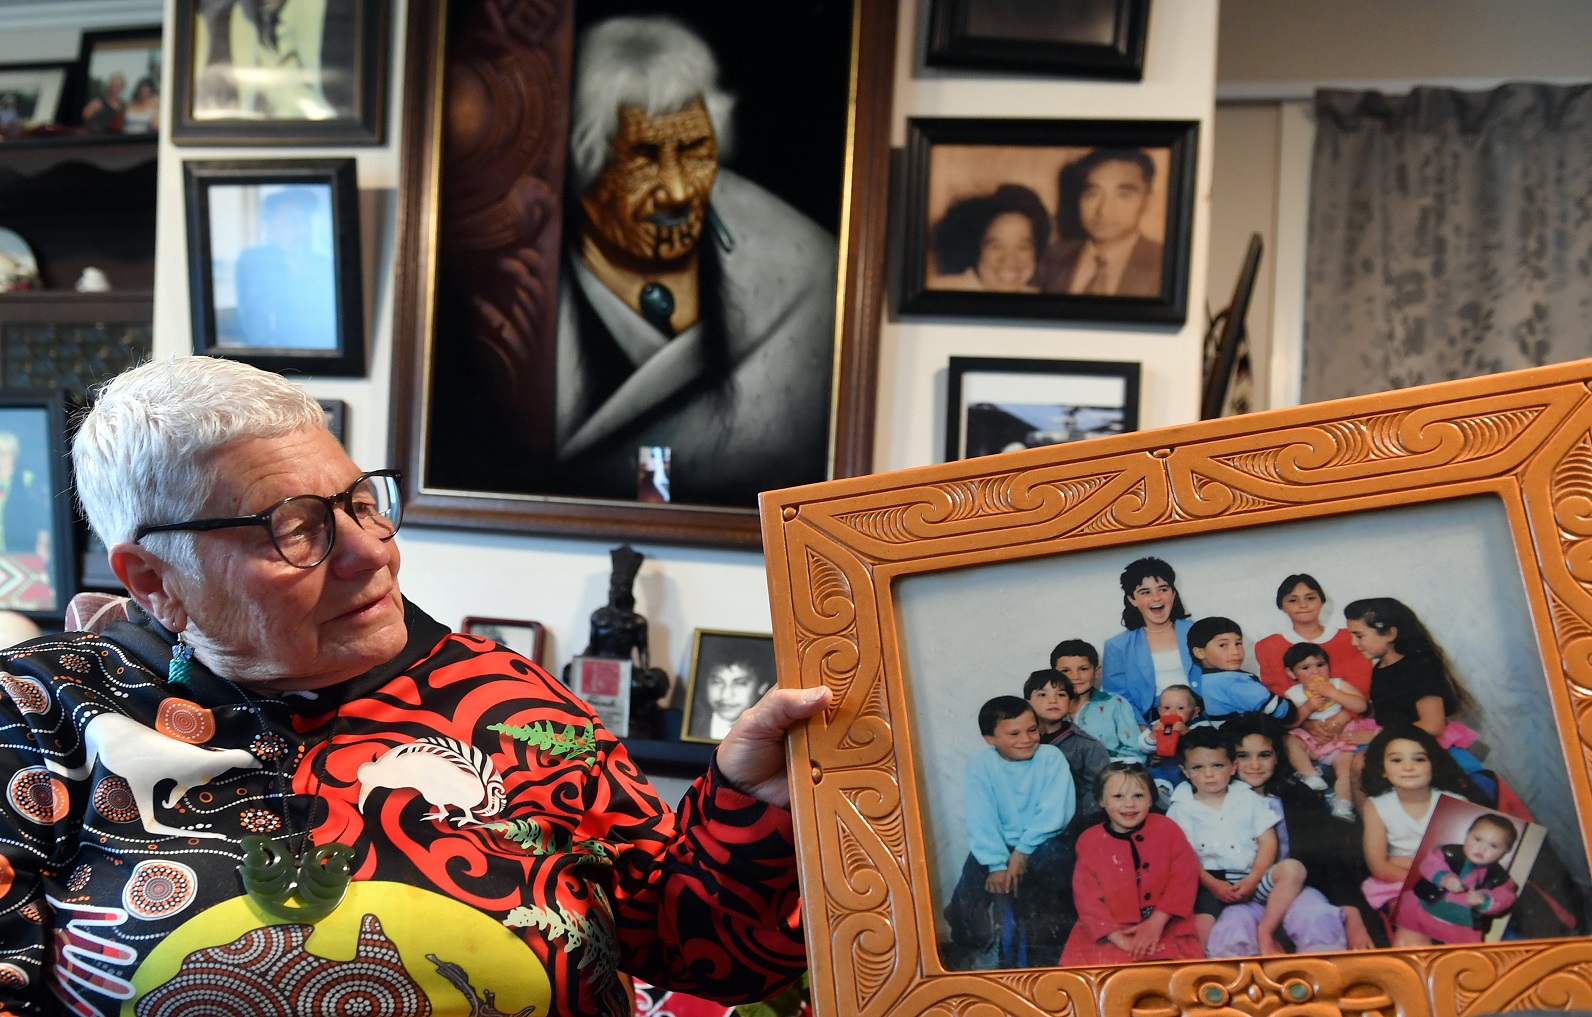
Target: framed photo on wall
751	363
1081	220
30	96
118	81
523	637
273	263
37	564
997	404
730	671
918	597
289	72
1069	38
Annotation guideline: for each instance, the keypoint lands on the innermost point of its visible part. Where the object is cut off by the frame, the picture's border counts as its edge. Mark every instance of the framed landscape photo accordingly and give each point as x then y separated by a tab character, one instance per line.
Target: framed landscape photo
926	597
30	96
118	81
523	637
730	671
749	357
1067	38
37	564
1058	220
273	263
293	73
998	404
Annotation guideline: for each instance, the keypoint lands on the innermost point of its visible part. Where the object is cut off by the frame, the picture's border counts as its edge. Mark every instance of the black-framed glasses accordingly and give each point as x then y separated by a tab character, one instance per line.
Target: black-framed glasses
303	528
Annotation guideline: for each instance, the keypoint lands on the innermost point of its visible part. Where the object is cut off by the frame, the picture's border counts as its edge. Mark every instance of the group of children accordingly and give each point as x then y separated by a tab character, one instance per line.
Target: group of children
1098	836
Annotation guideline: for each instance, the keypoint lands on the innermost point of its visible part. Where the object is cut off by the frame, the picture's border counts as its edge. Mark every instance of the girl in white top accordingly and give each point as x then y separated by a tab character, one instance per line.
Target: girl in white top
1406	772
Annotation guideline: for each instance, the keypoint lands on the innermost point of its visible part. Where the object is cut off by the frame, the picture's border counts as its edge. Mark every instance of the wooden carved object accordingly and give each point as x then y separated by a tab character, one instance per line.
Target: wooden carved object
852	564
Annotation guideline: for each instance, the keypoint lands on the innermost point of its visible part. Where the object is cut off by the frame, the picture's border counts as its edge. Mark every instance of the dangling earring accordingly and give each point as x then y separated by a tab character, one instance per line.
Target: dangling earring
179	671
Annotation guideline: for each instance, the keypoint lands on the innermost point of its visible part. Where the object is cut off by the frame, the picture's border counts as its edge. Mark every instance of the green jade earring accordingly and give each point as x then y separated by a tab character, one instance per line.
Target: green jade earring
179	671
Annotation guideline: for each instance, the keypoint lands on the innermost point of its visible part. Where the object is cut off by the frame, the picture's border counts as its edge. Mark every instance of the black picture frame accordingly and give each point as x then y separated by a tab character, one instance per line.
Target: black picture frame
348	83
527	638
1080	39
1112	388
714	648
226	231
119	50
336	411
45	85
36	575
960	171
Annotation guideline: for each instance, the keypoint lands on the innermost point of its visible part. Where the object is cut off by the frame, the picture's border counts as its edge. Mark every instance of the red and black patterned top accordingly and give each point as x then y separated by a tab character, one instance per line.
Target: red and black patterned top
507	857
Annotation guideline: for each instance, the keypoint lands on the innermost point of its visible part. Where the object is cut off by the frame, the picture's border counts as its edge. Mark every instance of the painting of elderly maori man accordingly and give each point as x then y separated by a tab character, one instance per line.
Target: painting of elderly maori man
652	262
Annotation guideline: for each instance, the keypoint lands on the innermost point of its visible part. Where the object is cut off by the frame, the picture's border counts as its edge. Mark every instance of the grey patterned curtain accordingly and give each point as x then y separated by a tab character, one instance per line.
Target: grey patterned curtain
1450	236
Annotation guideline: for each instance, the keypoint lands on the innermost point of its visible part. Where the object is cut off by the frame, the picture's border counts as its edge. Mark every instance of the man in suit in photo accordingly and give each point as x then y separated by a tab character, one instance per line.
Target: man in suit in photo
1103	251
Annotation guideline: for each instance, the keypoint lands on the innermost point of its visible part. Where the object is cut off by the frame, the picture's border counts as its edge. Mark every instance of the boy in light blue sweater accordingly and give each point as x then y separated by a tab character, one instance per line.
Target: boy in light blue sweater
1018	797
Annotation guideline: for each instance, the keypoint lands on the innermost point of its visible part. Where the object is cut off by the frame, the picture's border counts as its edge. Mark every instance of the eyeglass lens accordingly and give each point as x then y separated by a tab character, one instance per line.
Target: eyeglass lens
303	528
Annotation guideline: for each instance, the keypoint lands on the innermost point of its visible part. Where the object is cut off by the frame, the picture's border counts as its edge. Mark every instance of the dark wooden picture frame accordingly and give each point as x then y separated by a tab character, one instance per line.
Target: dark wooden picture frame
54	83
527	638
346	79
967	180
324	196
37	516
479	247
751	654
147	39
1049	402
1079	39
336	411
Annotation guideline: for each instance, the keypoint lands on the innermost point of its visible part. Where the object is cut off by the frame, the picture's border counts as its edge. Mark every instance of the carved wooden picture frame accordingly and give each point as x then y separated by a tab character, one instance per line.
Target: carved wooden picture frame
916	595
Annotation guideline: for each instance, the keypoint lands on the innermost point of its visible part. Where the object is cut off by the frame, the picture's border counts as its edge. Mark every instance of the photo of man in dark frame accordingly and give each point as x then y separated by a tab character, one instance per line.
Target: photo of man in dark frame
1103	251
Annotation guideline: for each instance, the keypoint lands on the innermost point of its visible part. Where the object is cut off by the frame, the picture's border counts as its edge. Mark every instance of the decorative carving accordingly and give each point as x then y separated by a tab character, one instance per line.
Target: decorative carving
835	551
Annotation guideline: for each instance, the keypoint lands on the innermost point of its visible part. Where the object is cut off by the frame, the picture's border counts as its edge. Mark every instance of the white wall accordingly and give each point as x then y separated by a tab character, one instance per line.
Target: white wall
452	574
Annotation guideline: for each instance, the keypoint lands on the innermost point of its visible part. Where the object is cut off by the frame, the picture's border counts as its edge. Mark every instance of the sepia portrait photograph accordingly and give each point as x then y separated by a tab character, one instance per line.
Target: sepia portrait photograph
1046	230
730	671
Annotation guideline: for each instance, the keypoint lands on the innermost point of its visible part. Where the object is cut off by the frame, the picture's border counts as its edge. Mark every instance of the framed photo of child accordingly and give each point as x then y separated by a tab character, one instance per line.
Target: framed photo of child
730	671
1369	601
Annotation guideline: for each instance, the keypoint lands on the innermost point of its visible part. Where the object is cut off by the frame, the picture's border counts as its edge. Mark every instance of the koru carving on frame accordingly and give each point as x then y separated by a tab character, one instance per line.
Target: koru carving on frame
917	595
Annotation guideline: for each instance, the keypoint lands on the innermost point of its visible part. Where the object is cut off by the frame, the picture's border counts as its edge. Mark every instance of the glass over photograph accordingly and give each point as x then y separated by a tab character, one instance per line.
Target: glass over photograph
1273	739
273	275
27	533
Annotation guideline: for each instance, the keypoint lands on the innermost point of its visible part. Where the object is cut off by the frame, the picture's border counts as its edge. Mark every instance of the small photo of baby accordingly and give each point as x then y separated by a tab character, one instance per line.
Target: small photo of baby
1469	870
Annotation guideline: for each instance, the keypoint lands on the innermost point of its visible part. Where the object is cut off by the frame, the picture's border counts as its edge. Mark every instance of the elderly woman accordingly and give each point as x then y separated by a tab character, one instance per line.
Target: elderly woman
280	788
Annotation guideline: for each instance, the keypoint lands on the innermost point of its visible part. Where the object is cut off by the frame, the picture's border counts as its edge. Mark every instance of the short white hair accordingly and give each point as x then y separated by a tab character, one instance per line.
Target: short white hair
142	455
653	63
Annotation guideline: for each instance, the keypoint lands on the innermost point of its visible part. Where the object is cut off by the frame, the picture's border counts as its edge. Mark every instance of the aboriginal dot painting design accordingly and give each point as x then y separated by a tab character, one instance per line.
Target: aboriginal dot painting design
259	821
159	889
12	977
269	746
38	795
75	662
33	911
113	799
268	971
29	694
78	878
185	721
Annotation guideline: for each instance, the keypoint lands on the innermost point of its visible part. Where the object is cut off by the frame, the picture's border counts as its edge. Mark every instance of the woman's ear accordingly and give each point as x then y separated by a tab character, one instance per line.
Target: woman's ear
152	583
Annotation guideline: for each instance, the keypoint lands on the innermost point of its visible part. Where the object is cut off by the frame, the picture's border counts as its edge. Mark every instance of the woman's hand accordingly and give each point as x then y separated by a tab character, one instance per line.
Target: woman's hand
752	755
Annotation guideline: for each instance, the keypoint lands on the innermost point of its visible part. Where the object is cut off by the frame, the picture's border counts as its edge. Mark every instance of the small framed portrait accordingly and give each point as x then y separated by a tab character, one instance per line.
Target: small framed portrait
729	672
280	72
1067	38
1084	220
37	567
996	404
523	637
605	685
118	81
30	96
273	264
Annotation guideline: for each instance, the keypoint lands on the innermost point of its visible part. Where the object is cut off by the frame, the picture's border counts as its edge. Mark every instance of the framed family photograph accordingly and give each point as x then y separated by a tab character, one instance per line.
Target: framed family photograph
1000	404
727	327
273	263
1067	38
1084	220
1399	581
280	72
30	96
37	567
523	637
118	81
730	671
